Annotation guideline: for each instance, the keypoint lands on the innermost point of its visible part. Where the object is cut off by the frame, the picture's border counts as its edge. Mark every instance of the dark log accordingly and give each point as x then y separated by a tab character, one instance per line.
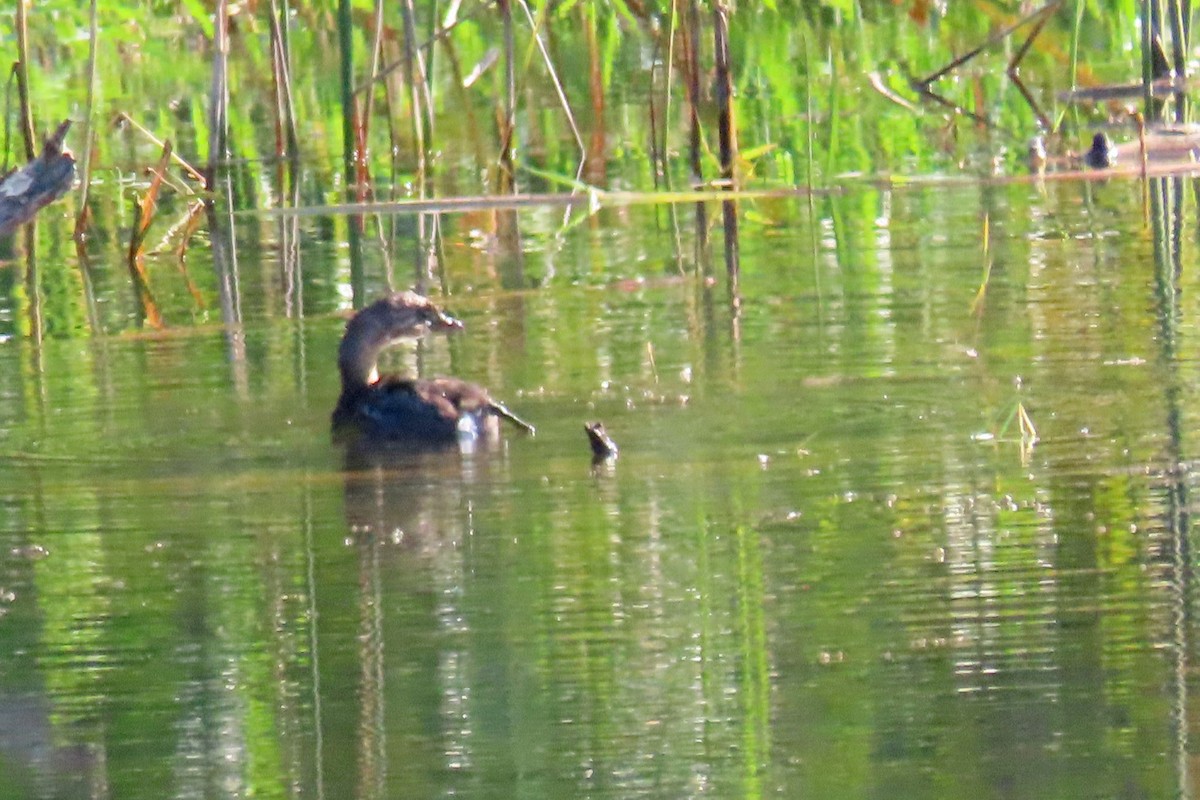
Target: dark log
25	191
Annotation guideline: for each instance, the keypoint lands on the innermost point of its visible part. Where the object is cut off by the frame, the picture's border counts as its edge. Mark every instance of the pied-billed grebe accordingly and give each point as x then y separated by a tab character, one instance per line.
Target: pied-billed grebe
395	407
602	444
1103	153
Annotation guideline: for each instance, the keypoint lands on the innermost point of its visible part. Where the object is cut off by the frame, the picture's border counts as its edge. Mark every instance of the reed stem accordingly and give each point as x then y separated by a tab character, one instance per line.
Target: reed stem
218	116
508	178
85	182
415	80
692	44
21	68
345	26
285	107
726	124
727	142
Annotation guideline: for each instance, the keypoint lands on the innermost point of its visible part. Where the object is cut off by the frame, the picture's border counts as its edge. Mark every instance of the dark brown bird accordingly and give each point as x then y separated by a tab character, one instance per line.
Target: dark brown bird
434	410
602	444
1103	153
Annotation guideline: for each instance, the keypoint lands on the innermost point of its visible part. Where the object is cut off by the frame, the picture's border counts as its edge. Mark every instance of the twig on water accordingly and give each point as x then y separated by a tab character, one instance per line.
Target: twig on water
123	118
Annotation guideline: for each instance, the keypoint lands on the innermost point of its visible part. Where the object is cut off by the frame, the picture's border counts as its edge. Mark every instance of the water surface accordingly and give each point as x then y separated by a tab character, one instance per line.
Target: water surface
825	563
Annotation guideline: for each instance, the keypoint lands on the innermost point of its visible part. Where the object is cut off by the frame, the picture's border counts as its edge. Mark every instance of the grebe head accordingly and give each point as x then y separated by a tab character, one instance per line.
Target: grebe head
380	324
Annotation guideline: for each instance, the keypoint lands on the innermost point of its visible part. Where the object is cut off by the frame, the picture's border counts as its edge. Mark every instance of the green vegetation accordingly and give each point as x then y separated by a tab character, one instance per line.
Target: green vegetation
612	61
599	98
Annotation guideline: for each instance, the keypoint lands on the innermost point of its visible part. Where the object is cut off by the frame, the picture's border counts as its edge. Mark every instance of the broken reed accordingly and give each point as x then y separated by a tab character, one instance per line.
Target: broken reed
144	209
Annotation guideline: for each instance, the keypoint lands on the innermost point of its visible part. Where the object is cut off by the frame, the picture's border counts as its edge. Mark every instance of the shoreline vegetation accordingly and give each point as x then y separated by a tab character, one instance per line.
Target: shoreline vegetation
434	108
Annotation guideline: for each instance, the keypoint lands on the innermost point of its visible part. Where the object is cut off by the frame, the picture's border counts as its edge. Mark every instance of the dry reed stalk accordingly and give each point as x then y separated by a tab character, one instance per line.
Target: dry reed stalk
148	204
146	207
362	172
594	154
21	69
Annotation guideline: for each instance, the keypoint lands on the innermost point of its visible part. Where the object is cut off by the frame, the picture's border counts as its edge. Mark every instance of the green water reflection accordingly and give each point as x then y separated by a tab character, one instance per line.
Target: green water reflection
823	566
